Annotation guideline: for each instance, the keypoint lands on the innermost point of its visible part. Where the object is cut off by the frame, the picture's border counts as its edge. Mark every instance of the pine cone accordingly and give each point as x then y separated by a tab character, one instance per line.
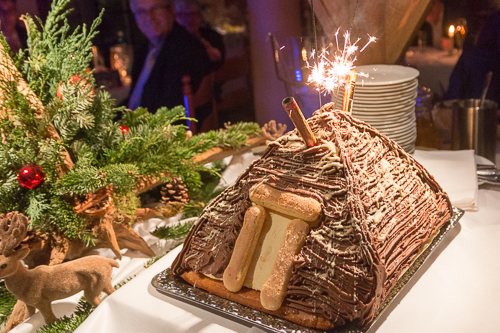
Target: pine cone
174	191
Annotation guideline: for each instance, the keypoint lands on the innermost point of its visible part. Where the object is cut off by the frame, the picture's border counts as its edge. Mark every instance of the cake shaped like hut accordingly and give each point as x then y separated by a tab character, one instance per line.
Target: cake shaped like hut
317	235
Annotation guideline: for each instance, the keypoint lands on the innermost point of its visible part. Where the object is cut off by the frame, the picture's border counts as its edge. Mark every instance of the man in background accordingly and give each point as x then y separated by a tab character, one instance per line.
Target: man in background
171	53
188	14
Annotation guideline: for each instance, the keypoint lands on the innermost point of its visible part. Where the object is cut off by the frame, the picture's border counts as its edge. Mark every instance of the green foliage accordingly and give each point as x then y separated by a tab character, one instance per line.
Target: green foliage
206	192
70	323
7	302
173	232
55	54
236	135
42	129
151	261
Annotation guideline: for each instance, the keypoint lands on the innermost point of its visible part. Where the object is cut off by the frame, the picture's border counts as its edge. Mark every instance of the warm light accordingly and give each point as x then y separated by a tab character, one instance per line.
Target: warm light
304	54
451	30
26	171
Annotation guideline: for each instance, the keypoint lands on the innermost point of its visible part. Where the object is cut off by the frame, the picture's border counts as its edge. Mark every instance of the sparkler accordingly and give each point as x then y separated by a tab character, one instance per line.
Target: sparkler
336	70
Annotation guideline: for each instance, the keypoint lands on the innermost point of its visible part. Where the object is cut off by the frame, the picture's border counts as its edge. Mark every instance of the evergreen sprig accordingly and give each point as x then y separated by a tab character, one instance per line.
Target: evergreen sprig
56	54
70	323
173	232
151	261
235	136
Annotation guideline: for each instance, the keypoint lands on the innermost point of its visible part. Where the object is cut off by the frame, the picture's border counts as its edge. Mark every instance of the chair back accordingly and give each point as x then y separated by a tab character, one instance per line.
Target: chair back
204	95
189	102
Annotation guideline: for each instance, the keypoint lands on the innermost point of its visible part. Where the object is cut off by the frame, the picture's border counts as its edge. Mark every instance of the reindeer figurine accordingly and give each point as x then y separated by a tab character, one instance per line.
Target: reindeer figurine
39	286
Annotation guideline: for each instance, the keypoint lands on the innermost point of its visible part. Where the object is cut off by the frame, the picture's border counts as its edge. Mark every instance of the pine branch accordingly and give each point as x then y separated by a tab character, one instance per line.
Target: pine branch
173	232
81	181
55	53
70	323
235	136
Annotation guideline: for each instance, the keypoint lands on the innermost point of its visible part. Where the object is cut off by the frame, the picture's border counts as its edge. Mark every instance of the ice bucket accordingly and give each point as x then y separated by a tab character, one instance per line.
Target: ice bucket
475	126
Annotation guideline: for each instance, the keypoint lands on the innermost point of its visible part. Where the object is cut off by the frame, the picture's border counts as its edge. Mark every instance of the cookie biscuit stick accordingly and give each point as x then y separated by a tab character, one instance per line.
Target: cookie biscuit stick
273	291
236	271
303	208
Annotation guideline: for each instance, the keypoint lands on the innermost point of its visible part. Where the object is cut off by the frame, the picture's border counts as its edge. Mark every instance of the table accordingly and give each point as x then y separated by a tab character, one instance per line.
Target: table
435	67
458	292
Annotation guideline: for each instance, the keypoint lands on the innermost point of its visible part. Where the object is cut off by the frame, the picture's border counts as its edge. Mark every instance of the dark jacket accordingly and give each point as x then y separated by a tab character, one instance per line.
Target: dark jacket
181	54
469	75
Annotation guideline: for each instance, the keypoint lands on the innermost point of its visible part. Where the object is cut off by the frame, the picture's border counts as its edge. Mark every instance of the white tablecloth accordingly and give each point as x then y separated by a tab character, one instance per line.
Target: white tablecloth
457	293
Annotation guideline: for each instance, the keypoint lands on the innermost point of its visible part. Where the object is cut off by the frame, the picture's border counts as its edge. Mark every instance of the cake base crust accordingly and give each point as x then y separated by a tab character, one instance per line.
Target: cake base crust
251	298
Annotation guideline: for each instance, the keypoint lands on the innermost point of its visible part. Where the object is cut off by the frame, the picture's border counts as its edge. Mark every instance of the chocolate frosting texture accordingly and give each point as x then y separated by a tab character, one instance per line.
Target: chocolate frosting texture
379	206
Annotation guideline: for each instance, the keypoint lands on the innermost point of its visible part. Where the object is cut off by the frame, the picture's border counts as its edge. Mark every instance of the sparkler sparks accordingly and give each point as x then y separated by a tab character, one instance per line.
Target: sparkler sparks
332	71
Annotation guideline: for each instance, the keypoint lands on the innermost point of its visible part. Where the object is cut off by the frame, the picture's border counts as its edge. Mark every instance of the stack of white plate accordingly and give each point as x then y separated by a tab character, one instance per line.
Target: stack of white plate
385	99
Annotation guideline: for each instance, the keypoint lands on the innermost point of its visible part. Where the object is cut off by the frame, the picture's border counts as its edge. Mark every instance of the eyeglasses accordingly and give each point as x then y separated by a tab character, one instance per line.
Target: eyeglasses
146	12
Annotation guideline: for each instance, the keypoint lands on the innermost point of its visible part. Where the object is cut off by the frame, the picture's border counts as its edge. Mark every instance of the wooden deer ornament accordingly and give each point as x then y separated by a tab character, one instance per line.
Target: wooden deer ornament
39	286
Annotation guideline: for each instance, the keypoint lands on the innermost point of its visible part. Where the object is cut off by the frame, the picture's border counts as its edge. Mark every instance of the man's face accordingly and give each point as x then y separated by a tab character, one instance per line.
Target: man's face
154	18
190	17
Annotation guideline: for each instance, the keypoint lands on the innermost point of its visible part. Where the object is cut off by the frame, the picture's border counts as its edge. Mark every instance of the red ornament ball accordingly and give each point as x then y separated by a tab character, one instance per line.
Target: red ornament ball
30	176
124	129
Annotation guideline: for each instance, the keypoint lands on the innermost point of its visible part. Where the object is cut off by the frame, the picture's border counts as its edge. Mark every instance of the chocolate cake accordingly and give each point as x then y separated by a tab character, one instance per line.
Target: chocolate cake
317	235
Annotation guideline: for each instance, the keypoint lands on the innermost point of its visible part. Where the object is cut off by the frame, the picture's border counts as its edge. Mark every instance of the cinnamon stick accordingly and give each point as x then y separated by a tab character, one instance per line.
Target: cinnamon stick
299	121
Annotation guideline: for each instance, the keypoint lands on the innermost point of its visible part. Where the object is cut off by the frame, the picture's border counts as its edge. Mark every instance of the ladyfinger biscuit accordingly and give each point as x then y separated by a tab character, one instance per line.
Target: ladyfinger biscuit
236	271
274	289
306	209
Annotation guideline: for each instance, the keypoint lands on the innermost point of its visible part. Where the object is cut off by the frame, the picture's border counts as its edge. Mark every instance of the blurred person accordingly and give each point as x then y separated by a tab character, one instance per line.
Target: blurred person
12	28
469	74
170	53
188	14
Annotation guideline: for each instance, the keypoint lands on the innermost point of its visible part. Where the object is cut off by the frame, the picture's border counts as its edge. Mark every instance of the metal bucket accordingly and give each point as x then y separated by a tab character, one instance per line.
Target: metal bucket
475	127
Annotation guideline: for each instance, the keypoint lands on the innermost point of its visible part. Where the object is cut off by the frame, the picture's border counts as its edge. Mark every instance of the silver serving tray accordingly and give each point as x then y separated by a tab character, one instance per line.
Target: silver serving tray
177	288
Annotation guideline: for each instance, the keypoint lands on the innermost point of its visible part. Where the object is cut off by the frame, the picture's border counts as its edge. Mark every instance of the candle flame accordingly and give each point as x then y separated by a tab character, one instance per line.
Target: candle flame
332	71
451	30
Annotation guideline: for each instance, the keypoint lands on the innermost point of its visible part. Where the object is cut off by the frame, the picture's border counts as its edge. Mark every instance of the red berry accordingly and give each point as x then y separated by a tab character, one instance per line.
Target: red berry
124	129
